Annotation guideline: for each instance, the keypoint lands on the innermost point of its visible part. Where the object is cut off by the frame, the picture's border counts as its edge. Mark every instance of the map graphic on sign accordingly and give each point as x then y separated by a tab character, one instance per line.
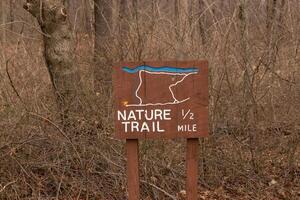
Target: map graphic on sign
182	74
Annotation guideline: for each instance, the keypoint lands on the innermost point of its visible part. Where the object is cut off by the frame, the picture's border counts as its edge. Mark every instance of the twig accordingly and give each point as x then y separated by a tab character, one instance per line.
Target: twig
27	25
160	189
8	74
59	129
143	181
12	83
8	184
59	185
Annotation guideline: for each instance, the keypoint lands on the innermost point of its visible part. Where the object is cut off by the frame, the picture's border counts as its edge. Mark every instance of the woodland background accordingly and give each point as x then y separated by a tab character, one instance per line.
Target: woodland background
253	52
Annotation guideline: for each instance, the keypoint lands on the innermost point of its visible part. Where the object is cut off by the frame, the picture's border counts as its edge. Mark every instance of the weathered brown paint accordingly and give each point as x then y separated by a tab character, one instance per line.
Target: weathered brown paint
133	179
154	88
192	168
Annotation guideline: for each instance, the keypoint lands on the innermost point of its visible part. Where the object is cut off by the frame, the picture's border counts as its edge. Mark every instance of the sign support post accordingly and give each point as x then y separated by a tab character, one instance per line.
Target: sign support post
192	168
133	178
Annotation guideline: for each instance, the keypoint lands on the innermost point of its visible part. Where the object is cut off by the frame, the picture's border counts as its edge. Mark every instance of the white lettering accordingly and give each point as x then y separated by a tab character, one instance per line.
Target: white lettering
187	128
126	126
180	128
158	128
134	126
139	114
194	127
122	115
167	114
158	114
145	127
147	117
143	120
131	116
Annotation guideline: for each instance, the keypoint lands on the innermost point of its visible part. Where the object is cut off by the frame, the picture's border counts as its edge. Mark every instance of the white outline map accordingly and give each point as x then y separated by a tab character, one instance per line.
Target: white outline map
176	101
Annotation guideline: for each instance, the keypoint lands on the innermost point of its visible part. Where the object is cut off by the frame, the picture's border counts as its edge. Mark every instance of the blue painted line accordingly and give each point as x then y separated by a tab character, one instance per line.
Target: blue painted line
160	69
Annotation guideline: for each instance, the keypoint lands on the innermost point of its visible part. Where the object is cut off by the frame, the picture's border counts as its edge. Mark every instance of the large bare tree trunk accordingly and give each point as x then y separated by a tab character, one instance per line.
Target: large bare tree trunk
59	52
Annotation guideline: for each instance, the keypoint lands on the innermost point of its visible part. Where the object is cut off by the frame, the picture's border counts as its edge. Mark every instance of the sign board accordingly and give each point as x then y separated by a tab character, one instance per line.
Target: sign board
159	100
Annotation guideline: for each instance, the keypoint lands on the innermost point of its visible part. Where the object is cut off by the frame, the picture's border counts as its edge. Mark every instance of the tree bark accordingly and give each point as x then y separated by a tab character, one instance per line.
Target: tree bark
123	16
3	21
249	107
103	20
271	12
86	18
249	101
11	14
177	18
123	27
180	12
59	50
202	20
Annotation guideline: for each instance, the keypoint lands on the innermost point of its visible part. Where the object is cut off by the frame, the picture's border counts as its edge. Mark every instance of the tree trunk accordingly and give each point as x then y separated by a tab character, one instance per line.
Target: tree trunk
3	21
86	16
59	52
123	16
274	24
177	19
249	107
202	22
271	12
123	26
249	101
103	18
11	13
180	12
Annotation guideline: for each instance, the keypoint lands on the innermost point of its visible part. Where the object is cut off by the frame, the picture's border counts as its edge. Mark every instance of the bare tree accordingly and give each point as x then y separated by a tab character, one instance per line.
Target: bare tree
271	14
11	13
243	28
80	15
3	21
202	22
58	51
7	13
249	102
123	16
86	16
274	24
123	26
181	11
103	20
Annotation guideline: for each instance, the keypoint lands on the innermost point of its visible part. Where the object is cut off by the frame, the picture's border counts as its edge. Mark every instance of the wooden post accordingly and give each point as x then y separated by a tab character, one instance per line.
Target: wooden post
133	178
192	168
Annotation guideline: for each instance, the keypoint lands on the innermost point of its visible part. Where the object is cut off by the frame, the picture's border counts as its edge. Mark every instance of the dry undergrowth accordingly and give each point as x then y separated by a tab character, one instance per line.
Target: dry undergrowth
252	153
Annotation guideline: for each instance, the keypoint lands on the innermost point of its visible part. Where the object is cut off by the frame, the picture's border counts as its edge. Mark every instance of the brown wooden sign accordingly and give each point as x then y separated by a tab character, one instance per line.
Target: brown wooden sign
158	100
